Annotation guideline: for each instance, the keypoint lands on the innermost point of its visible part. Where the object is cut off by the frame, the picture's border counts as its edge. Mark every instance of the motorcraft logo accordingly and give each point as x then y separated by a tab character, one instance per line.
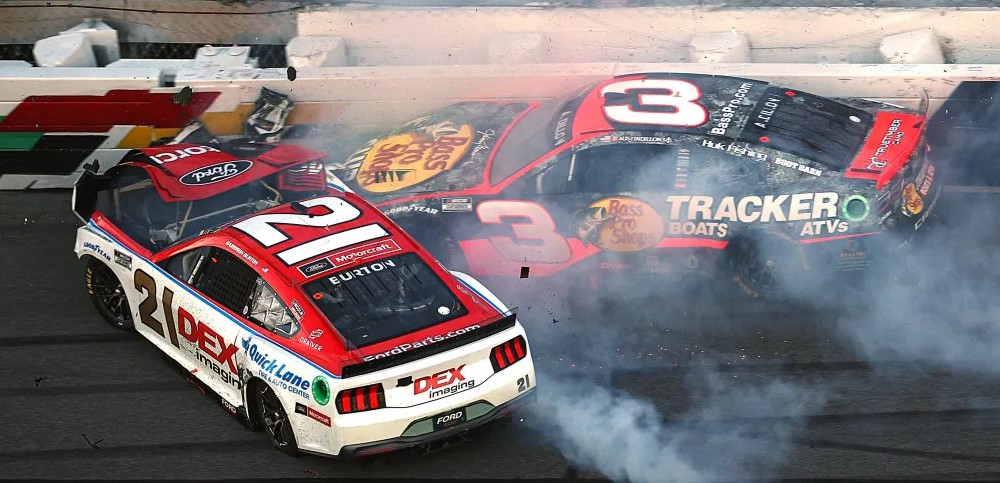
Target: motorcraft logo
216	172
363	252
276	372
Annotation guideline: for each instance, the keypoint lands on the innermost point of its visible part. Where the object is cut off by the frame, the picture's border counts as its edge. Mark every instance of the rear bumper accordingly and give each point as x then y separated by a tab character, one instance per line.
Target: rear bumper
403	442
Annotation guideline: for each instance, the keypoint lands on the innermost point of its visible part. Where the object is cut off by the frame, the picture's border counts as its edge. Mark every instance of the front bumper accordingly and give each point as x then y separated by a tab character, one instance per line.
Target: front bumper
403	442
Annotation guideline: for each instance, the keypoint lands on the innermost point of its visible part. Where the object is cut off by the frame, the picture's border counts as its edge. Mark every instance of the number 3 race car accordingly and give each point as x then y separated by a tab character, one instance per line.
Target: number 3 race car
305	310
656	173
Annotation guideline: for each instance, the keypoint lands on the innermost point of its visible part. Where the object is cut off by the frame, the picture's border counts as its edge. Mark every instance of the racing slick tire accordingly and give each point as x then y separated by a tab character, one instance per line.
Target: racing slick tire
272	415
108	295
769	265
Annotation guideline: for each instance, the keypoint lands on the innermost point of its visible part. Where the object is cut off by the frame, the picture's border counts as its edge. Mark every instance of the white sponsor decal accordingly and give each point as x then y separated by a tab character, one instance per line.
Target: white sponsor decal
410	209
751	209
892	136
421	343
364	252
182	153
731	108
792	164
739	149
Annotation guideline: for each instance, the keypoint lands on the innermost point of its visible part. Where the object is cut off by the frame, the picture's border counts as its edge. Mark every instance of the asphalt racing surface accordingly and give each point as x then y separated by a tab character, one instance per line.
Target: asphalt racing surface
82	400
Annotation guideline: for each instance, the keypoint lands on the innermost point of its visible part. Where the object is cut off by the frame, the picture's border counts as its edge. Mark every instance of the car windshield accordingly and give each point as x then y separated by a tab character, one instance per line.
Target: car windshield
136	207
384	299
533	136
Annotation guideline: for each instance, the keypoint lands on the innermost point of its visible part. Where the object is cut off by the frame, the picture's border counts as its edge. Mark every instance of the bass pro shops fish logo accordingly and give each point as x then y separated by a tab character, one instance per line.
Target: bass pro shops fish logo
913	204
621	224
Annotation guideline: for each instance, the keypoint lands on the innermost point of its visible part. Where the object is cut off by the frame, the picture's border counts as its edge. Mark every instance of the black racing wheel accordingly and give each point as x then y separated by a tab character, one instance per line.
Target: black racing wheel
108	295
769	266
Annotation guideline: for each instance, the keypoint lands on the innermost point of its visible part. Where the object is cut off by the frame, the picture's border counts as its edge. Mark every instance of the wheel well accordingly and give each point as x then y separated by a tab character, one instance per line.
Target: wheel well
253	411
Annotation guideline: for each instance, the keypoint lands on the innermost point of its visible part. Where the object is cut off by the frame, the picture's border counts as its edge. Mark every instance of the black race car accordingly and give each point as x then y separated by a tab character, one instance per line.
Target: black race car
658	173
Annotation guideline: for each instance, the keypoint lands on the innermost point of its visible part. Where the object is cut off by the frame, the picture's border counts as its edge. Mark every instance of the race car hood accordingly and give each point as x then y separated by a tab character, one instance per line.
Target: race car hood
184	172
445	150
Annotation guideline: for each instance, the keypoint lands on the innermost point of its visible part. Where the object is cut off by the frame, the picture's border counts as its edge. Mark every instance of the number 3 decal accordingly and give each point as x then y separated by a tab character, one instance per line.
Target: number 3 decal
535	240
677	95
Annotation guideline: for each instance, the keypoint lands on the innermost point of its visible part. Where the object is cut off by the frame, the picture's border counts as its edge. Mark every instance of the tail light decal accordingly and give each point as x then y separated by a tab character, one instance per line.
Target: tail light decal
361	399
506	354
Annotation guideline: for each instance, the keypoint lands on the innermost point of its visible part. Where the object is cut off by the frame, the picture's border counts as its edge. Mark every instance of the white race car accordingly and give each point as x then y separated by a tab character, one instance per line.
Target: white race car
304	309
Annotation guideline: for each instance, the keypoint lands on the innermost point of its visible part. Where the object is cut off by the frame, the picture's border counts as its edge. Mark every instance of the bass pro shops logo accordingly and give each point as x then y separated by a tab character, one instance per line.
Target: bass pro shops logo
621	224
216	172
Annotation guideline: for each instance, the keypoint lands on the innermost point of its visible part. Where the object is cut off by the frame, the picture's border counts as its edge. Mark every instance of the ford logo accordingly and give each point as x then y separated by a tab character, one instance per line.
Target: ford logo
216	172
320	265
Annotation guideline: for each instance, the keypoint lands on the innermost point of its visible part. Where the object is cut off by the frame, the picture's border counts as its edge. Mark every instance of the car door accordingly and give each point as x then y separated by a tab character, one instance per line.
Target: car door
208	293
595	198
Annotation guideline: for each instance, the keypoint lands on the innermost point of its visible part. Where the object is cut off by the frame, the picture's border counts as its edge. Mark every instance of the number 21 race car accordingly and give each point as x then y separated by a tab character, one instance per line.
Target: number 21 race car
305	310
658	174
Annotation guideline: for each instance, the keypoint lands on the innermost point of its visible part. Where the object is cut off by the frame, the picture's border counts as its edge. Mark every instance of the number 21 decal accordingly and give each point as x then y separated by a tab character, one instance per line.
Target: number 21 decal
663	102
264	229
535	237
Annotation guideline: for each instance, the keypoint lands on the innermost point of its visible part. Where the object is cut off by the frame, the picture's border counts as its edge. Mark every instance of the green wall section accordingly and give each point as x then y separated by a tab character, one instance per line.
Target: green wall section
19	141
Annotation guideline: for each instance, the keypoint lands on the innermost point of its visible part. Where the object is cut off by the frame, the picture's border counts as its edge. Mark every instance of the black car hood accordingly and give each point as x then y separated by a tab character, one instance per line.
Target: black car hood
444	150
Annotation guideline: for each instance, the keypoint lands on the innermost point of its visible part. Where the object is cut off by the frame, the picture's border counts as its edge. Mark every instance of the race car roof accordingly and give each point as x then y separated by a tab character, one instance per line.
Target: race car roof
748	110
316	236
185	172
692	103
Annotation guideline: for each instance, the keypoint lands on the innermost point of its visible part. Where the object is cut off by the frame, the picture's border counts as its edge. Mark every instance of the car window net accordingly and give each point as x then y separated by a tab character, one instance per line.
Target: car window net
384	299
227	280
810	126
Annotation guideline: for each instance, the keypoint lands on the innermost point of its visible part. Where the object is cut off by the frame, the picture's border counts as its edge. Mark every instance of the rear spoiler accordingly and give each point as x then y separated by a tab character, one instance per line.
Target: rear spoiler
506	321
890	171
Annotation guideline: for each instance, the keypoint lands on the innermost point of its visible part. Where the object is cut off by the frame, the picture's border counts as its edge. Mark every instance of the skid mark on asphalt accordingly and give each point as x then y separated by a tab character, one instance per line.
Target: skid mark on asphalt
123	388
253	441
918	453
67	339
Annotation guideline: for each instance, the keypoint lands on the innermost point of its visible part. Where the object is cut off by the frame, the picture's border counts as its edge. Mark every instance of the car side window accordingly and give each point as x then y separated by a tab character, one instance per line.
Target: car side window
269	312
226	280
610	168
184	264
621	167
713	168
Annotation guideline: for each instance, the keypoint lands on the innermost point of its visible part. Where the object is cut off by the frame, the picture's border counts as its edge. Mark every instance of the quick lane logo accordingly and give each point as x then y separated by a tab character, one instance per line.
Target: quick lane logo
216	172
448	381
275	372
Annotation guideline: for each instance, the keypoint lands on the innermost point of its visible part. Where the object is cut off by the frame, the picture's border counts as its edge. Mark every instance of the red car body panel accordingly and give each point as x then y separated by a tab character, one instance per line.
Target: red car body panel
286	279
